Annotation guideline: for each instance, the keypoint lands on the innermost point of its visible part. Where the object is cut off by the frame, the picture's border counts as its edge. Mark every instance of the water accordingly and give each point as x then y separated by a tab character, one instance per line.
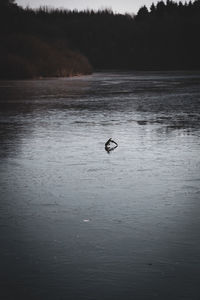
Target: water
79	223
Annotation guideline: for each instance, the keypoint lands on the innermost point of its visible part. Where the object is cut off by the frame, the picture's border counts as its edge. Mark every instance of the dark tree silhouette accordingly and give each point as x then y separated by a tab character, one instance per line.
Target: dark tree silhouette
56	42
142	13
7	3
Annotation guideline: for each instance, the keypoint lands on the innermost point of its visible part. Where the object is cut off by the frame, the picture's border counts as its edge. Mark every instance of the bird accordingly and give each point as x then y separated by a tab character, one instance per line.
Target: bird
107	145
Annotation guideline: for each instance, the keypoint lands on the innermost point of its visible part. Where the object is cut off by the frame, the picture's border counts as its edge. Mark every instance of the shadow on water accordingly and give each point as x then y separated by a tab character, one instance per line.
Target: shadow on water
26	104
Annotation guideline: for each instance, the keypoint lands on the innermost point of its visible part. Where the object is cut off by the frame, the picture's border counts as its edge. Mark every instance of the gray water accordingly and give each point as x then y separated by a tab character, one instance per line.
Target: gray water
79	223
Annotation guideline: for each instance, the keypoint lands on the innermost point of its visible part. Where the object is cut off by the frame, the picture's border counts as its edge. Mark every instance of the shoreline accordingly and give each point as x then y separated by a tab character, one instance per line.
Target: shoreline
173	71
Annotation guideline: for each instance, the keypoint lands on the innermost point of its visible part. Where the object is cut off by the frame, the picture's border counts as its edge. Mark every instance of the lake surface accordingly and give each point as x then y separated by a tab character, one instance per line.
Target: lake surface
79	223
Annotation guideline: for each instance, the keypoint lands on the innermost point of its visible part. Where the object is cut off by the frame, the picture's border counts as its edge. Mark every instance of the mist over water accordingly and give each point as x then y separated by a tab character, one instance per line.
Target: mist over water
79	223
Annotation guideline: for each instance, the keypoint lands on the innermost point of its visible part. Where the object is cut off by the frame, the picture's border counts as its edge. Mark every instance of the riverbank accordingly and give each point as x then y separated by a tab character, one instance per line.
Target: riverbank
49	42
28	56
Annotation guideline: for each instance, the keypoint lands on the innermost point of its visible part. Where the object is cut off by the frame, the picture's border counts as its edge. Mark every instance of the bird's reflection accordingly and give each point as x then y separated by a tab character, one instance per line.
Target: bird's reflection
108	146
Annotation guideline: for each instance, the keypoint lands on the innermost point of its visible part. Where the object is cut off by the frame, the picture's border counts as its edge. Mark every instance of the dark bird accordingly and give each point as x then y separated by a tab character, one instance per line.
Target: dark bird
108	146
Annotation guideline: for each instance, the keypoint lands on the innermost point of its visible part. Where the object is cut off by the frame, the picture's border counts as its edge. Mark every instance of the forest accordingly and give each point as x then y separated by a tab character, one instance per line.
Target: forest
56	42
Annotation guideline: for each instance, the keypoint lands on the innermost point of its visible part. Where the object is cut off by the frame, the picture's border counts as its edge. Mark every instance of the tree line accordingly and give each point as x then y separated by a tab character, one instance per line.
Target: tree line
59	42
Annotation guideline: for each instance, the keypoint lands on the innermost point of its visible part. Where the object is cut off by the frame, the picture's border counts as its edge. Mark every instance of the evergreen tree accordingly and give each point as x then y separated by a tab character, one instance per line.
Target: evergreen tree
142	13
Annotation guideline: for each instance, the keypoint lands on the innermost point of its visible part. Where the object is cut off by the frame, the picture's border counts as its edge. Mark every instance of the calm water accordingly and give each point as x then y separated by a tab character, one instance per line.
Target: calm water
79	223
